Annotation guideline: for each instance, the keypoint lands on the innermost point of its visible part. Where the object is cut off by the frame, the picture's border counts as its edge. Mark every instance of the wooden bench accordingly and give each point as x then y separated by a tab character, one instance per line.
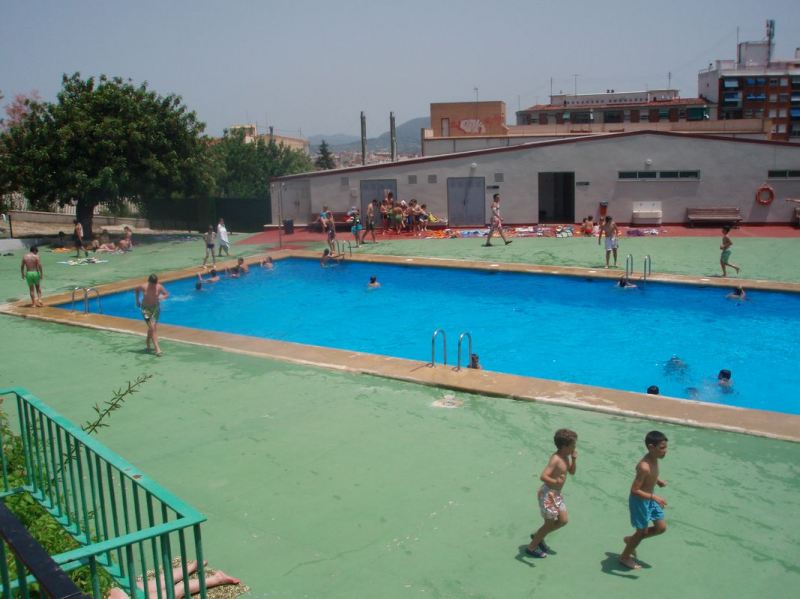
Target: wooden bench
722	215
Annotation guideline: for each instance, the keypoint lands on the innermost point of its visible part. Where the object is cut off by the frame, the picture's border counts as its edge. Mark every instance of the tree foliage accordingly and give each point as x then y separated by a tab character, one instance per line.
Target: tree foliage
103	140
243	170
325	159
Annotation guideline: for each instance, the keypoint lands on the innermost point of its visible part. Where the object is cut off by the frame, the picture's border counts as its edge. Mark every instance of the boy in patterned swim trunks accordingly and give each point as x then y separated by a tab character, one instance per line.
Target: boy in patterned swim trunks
31	271
644	505
551	503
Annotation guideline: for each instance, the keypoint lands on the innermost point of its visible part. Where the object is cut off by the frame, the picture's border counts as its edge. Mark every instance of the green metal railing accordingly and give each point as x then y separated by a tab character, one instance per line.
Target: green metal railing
123	522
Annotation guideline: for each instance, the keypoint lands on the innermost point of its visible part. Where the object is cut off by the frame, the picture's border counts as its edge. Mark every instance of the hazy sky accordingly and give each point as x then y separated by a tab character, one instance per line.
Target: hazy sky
312	66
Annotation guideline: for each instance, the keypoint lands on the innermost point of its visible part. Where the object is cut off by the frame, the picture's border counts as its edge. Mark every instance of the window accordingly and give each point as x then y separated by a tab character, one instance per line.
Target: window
581	117
781	174
663	113
773	81
696	114
432	179
344	181
665	175
446	127
412	179
612	116
731	84
499	178
773	98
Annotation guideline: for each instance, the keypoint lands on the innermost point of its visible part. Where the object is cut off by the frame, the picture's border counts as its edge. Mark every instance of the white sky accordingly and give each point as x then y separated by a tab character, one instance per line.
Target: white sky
311	66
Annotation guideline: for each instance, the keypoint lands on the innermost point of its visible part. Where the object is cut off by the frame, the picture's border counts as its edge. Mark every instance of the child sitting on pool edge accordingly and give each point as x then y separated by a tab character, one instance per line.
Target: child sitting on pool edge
553	477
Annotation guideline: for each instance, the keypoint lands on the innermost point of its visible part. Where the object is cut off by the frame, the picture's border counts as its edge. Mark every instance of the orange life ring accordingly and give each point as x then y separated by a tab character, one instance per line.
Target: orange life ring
764	195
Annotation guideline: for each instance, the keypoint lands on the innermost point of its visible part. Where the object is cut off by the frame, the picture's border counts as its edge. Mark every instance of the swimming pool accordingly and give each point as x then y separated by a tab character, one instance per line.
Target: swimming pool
578	330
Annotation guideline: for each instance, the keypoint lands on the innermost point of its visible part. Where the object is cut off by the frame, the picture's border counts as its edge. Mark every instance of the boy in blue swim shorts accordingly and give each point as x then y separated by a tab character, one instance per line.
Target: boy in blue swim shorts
644	505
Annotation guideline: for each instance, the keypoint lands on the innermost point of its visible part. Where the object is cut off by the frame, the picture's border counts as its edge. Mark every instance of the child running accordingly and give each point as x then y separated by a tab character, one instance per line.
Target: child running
551	503
645	506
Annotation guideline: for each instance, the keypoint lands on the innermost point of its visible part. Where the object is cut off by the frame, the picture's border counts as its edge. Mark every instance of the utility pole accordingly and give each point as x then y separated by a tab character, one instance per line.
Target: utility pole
669	79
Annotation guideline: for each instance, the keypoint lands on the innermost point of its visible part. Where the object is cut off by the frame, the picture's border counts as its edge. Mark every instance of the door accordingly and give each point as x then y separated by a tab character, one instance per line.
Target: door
294	201
557	198
466	201
375	190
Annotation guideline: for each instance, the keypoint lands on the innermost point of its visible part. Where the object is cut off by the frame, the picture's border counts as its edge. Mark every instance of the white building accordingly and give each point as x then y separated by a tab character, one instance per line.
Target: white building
561	181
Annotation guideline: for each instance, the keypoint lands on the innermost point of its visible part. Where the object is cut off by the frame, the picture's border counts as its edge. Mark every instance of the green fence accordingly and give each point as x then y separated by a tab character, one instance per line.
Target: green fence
123	522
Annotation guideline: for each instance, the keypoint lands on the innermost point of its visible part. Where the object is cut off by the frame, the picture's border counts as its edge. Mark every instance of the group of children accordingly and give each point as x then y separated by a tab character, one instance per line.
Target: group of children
644	505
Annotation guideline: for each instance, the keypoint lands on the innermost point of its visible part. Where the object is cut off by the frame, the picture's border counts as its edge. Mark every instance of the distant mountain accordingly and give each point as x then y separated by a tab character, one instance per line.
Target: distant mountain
408	139
334	139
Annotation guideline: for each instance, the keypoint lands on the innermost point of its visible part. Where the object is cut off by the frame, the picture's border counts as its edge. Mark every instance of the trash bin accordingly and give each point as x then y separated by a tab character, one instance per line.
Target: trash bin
288	226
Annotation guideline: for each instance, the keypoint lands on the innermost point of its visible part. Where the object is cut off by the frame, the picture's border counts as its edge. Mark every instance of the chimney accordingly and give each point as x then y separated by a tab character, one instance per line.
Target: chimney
392	137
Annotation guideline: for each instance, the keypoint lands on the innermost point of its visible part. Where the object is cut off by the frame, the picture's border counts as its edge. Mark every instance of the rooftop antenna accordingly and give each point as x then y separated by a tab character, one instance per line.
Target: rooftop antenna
575	76
669	79
770	38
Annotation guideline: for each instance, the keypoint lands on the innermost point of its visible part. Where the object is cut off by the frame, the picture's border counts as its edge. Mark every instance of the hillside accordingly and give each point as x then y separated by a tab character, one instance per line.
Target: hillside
408	139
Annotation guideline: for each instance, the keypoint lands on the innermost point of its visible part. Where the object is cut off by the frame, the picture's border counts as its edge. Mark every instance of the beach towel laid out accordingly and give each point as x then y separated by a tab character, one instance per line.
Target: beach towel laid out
82	261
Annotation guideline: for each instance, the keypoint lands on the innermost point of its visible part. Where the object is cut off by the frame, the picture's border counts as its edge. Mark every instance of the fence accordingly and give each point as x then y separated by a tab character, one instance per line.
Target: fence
122	521
17	201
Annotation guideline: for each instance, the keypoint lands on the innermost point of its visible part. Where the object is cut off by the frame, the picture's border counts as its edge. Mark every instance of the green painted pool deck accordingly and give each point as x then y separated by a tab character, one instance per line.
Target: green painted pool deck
319	483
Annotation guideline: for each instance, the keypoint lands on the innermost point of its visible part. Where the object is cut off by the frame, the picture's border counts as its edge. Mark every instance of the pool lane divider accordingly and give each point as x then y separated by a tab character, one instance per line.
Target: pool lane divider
482	382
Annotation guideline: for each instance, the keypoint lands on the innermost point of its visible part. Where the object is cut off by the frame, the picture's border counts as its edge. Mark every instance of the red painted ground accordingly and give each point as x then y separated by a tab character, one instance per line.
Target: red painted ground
300	237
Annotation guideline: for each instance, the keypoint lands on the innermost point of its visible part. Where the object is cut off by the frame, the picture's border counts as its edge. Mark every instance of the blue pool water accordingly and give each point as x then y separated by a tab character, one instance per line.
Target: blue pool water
570	329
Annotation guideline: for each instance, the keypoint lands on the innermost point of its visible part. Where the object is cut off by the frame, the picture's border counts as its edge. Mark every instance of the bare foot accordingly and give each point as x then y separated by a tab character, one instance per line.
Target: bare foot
629	562
628	540
219	577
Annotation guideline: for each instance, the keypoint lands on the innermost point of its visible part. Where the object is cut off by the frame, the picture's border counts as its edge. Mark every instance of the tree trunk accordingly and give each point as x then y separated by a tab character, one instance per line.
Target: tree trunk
84	212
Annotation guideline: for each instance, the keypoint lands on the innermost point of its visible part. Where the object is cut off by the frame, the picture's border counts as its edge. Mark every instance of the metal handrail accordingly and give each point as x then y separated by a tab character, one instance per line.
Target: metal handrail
86	294
628	265
72	305
433	346
468	335
647	268
123	521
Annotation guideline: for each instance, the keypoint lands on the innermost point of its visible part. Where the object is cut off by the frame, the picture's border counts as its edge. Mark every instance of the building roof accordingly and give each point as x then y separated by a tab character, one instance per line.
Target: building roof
533	145
651	104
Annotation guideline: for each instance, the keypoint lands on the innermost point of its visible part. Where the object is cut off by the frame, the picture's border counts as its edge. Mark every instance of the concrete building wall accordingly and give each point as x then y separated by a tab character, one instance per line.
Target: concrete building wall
468	118
730	173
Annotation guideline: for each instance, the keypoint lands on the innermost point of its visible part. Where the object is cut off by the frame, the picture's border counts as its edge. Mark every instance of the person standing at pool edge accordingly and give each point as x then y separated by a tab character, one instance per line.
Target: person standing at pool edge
208	239
222	238
611	232
150	304
496	222
725	256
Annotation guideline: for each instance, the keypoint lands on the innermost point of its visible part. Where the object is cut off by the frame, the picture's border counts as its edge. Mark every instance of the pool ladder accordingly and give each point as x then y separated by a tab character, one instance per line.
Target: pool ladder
441	332
87	291
340	247
647	267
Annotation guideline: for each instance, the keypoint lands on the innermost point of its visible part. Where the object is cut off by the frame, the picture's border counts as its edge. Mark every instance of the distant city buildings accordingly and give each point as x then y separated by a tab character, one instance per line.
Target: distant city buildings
756	86
251	135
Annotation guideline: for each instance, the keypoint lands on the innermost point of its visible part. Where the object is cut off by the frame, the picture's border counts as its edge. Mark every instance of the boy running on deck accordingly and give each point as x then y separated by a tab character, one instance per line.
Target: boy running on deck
31	271
551	503
150	304
644	505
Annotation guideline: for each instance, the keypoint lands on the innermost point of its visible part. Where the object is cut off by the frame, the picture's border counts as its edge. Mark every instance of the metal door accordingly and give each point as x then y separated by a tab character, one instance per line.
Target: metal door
466	201
375	190
294	200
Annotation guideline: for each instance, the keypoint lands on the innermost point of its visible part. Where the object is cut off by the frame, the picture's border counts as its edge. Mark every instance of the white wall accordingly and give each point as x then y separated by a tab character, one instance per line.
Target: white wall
731	172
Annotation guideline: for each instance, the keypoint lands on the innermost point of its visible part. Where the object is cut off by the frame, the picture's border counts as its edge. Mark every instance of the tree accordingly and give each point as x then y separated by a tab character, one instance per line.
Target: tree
104	140
243	170
325	160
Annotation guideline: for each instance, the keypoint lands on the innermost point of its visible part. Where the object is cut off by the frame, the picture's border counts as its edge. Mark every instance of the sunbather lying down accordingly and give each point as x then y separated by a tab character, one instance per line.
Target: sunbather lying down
216	579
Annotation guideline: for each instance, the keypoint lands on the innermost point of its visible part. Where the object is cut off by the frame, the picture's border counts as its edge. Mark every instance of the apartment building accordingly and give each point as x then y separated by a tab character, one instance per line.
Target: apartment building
756	86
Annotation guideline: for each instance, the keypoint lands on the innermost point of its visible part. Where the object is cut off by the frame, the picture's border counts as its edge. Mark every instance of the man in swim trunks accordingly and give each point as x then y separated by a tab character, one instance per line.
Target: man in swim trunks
31	270
150	304
553	477
725	256
611	232
208	239
370	222
77	237
643	504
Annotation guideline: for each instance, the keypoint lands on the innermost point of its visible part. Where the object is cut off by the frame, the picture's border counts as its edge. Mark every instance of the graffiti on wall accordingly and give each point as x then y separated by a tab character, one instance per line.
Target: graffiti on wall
472	126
